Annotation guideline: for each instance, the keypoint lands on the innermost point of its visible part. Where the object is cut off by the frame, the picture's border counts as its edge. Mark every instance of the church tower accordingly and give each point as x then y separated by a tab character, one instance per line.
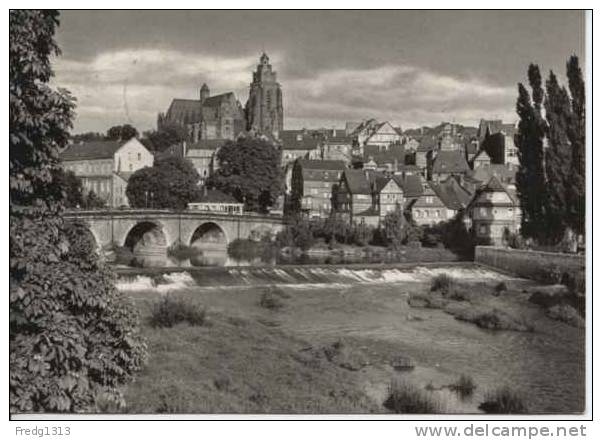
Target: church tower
264	109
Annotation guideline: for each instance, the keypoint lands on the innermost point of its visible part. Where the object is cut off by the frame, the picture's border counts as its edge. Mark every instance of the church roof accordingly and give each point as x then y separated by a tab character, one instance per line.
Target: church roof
216	100
91	150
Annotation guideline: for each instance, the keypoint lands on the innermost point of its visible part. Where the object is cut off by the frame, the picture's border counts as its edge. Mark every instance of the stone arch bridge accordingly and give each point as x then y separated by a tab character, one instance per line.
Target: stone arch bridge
153	231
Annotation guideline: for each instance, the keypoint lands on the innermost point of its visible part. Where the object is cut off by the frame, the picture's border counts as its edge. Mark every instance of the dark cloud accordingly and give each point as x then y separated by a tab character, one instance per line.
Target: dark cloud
412	67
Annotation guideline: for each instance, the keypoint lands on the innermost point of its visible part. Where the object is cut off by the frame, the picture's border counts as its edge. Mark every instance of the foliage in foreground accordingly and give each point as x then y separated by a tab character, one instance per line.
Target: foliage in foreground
73	337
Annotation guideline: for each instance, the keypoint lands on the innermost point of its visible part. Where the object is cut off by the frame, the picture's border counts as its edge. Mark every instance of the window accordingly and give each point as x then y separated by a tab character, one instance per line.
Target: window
131	167
429	200
483	229
139	156
483	211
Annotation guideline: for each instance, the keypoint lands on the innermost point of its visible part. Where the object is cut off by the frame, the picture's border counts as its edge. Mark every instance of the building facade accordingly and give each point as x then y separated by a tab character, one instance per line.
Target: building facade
492	211
312	184
104	167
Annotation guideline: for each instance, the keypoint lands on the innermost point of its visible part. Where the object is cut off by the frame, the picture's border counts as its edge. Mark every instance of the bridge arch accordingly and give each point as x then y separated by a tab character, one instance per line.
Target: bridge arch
145	233
209	236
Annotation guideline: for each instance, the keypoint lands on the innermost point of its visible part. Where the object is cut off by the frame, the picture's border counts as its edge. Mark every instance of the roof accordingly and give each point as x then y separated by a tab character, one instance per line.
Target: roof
482	155
215	196
429	192
329	165
91	150
297	140
389	155
412	185
216	100
357	181
471	147
452	194
494	185
125	175
450	161
427	143
505	174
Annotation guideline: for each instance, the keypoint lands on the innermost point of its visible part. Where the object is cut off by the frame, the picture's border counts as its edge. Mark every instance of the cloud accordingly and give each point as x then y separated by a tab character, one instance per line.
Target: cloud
133	85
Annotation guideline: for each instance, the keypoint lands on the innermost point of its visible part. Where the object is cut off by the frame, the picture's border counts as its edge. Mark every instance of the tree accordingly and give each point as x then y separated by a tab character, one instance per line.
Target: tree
558	158
71	185
297	233
576	135
393	228
122	132
530	176
172	183
87	137
73	336
166	136
249	170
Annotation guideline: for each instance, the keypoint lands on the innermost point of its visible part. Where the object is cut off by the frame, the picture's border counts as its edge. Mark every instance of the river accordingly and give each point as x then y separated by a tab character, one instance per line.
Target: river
367	306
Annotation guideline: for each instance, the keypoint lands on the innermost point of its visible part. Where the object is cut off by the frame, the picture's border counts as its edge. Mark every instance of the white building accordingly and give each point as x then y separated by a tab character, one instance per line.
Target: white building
105	166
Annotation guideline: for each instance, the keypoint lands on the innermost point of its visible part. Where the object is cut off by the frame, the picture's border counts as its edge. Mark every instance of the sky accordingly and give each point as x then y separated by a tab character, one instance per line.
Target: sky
411	68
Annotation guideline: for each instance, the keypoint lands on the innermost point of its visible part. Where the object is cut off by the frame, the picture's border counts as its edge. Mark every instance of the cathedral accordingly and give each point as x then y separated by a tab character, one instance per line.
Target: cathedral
223	117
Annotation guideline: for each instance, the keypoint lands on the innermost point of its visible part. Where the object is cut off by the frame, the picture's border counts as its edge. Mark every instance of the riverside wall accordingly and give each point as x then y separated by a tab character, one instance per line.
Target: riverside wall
541	266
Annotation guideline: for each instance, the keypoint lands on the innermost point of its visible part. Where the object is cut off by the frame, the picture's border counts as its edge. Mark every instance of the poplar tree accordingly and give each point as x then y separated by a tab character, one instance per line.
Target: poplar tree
576	135
530	176
558	158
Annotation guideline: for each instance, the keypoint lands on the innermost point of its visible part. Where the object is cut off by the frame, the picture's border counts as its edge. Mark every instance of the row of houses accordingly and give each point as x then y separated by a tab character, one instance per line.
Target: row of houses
365	196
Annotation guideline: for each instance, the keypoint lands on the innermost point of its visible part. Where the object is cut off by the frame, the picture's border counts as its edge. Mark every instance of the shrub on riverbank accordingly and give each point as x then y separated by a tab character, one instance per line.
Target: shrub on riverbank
463	386
504	401
490	318
244	249
170	311
566	314
406	398
270	300
443	283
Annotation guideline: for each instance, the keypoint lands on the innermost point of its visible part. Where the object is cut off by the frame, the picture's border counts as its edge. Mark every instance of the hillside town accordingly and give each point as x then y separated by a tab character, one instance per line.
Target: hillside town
359	172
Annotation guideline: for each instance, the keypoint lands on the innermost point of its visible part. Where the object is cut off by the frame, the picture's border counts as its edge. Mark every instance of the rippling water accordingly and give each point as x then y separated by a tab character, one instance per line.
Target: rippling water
369	305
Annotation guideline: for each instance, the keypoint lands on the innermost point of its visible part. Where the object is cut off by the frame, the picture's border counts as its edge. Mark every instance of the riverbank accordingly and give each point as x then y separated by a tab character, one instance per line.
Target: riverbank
335	347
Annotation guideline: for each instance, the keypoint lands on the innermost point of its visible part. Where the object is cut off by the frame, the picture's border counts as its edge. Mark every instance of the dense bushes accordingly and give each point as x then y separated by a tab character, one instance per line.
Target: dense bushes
504	401
406	398
170	311
73	337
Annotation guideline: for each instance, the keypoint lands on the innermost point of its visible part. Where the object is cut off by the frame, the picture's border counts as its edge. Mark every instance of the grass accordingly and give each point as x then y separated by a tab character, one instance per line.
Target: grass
463	386
239	366
404	397
170	311
504	401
